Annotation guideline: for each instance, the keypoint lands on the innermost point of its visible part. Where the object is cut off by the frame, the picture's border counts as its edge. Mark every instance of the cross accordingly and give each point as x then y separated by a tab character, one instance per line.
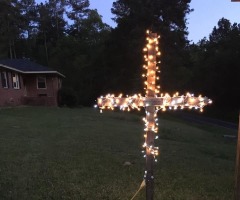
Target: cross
153	102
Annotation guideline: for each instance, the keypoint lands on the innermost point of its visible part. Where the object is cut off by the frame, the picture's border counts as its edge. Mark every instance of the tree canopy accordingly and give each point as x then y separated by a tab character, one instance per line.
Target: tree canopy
215	64
133	18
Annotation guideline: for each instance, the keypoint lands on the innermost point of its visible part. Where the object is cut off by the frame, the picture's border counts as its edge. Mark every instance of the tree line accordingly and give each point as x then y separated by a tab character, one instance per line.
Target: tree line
95	58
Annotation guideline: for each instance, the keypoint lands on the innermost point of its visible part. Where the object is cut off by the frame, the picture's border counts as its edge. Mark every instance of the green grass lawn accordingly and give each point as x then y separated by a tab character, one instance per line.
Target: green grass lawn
61	153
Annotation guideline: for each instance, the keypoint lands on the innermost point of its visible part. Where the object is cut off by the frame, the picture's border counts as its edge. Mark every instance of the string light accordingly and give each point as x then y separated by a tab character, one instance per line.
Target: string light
151	98
135	102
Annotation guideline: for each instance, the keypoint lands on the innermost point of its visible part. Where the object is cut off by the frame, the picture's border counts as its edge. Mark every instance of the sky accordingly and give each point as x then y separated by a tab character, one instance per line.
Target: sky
201	21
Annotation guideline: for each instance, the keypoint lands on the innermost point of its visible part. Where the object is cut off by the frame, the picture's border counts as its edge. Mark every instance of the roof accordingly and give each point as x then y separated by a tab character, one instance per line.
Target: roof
26	66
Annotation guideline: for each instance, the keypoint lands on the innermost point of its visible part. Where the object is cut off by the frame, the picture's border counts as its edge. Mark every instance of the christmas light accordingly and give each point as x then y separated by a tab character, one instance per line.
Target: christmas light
151	101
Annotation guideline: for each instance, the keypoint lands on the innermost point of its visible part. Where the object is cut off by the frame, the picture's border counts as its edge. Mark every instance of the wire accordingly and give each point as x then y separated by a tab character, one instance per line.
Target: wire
143	184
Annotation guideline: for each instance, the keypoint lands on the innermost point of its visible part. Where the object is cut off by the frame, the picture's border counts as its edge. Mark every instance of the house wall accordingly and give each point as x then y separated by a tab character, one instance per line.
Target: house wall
36	96
29	94
10	96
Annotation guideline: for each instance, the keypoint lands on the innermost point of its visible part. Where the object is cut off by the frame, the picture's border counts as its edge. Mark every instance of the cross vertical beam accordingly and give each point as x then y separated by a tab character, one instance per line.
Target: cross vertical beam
150	136
150	113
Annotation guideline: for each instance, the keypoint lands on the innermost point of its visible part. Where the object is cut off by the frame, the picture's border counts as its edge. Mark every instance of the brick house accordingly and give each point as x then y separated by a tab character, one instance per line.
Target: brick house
23	82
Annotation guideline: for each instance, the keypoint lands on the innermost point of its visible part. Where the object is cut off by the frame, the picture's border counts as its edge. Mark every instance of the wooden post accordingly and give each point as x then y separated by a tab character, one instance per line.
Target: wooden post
237	175
150	111
149	156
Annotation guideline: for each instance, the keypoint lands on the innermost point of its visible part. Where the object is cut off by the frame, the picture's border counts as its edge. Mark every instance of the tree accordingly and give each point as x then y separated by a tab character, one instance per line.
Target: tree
51	25
27	36
10	27
85	58
78	10
92	28
57	10
29	14
133	18
216	61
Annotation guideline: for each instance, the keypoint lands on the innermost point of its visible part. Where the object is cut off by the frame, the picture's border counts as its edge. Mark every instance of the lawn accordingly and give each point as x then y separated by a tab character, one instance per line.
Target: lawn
79	154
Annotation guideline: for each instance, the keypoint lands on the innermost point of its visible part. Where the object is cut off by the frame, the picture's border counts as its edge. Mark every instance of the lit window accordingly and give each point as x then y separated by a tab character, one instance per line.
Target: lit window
41	82
4	79
15	80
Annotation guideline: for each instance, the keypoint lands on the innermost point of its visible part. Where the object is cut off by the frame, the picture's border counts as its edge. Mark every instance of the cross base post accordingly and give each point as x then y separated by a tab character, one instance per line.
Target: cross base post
149	185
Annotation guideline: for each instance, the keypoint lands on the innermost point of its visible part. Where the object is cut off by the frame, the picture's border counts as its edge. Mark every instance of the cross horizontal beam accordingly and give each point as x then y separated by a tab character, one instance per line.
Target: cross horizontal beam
138	101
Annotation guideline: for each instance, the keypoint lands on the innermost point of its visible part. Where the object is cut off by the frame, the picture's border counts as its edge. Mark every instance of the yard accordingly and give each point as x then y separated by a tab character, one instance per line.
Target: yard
79	154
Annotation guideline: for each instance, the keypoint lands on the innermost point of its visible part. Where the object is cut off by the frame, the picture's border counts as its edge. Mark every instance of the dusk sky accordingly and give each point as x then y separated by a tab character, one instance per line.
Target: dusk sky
201	21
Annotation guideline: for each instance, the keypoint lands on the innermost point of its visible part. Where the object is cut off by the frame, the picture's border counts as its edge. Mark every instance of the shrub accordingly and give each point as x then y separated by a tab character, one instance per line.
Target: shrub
67	97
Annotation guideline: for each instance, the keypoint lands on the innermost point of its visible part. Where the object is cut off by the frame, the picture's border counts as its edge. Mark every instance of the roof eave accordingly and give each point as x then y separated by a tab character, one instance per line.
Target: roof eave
11	68
43	72
32	72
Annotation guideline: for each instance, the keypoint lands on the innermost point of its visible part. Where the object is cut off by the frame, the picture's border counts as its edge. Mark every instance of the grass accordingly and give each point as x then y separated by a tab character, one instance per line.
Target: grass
78	154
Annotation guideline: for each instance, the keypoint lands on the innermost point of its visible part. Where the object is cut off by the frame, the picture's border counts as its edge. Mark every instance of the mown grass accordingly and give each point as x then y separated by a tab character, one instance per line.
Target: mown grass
61	153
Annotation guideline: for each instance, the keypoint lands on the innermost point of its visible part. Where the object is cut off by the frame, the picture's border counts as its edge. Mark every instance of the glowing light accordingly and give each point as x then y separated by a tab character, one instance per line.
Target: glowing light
150	57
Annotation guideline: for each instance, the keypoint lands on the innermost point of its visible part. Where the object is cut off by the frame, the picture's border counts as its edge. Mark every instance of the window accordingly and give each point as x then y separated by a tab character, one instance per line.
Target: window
4	79
41	82
15	80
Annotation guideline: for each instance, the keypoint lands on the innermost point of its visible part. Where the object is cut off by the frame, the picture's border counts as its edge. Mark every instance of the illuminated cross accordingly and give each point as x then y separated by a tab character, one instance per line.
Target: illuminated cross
152	103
